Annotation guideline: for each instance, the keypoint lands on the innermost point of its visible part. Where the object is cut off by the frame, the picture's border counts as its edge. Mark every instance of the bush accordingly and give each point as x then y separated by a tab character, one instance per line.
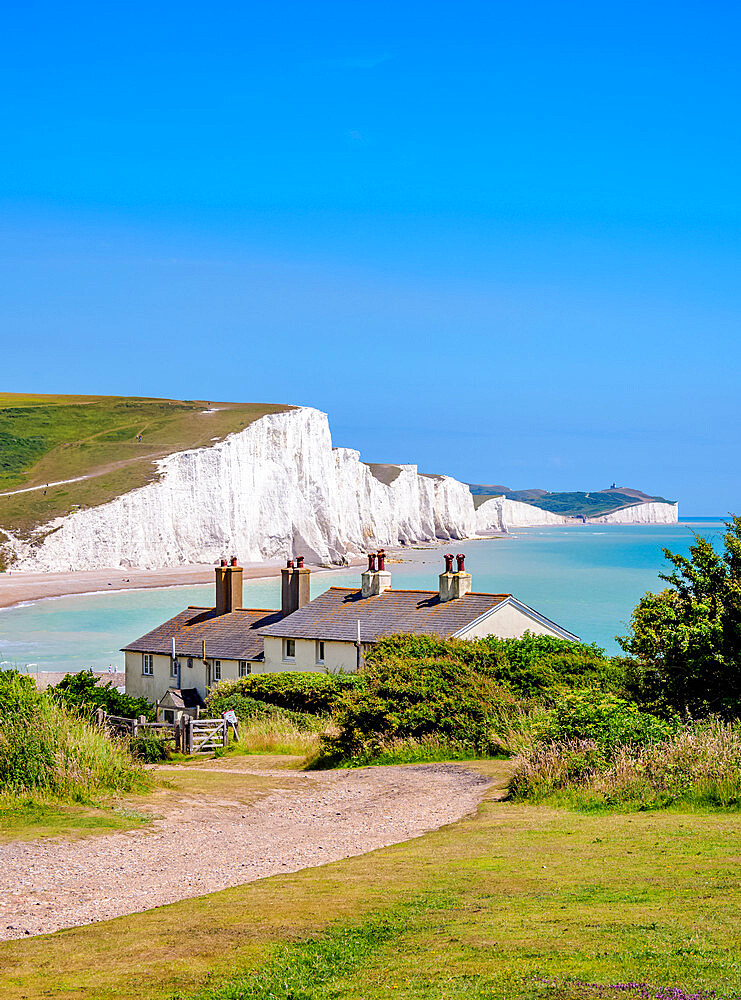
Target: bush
19	696
150	748
685	642
295	691
483	696
414	698
700	765
530	666
81	691
605	719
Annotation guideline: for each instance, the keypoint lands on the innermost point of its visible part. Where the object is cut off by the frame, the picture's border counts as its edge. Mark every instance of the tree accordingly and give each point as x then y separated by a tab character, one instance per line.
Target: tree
685	642
83	693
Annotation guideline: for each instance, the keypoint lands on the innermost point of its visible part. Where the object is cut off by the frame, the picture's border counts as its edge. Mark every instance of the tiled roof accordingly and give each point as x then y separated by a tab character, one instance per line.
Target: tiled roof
335	614
232	636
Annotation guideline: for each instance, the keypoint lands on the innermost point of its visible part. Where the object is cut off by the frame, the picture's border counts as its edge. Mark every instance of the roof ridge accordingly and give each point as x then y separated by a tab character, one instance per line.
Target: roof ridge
203	607
412	590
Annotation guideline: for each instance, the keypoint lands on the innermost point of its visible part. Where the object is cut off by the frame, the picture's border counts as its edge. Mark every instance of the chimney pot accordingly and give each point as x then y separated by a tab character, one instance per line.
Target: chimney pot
381	560
234	560
448	557
295	589
371	562
223	562
461	560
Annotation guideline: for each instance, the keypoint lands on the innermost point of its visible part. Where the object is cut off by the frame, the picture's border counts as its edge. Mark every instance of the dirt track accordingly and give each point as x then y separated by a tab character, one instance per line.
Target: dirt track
200	846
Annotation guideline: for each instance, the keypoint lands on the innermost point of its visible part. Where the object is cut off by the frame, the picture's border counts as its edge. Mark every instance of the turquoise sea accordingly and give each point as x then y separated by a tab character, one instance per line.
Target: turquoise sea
586	578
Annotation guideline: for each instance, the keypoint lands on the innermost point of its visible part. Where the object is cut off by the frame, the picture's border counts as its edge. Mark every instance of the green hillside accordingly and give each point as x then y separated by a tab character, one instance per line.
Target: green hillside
573	504
48	439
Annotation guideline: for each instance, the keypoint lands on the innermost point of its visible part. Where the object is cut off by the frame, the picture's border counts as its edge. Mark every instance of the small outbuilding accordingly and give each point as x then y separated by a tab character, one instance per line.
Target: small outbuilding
178	703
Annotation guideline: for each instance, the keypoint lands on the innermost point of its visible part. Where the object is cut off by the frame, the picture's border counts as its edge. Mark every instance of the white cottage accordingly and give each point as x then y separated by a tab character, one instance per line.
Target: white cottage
201	646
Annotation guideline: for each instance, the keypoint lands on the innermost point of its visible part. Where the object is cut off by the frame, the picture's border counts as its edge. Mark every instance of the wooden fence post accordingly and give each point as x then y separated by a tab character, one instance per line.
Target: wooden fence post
140	723
226	734
100	716
190	736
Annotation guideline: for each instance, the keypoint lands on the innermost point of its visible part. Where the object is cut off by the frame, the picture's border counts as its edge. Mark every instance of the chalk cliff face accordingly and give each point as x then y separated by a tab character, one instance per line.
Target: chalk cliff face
641	513
500	514
276	488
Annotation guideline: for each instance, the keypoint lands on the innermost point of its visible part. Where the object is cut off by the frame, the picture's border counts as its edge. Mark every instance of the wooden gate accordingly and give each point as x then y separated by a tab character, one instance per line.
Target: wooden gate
205	735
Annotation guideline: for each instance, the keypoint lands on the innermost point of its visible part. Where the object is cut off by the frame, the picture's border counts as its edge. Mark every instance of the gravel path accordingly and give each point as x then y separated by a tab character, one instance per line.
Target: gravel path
211	845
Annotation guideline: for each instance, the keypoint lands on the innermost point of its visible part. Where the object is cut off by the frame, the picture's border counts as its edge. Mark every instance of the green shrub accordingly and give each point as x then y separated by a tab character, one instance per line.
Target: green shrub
150	748
295	691
605	719
530	666
419	697
19	696
81	691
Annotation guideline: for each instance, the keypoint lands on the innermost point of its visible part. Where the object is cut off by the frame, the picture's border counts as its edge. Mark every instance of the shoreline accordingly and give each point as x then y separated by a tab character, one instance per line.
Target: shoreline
29	588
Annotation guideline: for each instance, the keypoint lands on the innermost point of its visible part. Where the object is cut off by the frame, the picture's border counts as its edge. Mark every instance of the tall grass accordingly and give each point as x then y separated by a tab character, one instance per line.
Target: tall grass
281	733
53	753
700	766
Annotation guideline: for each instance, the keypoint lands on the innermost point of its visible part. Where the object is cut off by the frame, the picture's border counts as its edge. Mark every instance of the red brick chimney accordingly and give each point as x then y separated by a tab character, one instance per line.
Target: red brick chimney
228	586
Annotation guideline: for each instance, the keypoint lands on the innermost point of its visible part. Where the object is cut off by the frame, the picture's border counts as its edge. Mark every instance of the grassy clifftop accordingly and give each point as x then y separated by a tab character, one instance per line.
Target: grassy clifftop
109	444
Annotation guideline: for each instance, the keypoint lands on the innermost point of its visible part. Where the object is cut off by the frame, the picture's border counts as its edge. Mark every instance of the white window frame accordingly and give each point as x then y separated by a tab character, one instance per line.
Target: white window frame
217	670
244	668
320	651
289	657
173	668
147	665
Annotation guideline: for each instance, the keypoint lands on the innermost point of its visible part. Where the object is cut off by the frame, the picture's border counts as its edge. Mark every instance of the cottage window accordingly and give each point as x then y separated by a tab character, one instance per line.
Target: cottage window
168	715
147	664
173	668
244	668
190	661
217	670
289	649
320	651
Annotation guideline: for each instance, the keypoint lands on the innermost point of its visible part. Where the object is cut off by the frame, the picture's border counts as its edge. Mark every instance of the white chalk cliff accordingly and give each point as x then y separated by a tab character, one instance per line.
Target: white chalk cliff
641	513
501	514
274	489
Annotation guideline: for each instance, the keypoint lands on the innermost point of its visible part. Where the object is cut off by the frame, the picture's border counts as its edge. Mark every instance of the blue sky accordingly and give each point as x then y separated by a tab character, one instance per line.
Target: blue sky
497	240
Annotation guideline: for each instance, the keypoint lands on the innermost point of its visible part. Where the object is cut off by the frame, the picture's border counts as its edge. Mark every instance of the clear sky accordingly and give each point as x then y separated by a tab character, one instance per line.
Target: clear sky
500	240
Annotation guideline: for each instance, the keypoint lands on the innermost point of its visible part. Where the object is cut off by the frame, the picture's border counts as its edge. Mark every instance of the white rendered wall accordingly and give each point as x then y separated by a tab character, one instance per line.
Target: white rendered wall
338	656
508	622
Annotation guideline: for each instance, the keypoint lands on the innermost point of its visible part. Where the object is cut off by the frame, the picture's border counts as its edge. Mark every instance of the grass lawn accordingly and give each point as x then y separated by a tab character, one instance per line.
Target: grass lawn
491	906
46	439
34	820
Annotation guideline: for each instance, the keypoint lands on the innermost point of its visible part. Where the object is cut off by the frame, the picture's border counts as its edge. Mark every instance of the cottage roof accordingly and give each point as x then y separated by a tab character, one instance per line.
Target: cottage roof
231	636
336	612
182	698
